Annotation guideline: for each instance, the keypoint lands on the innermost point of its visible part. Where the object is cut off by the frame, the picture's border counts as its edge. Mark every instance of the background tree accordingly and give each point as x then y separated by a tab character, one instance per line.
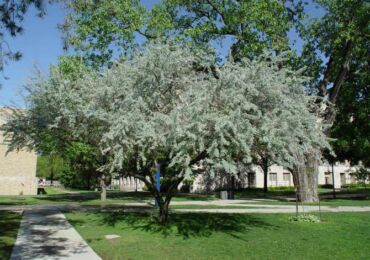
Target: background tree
41	126
352	126
250	26
82	167
341	36
105	29
50	167
362	175
102	30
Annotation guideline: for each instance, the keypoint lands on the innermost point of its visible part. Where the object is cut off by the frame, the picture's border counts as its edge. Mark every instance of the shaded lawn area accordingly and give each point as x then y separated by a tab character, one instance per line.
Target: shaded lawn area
60	196
9	224
225	236
356	197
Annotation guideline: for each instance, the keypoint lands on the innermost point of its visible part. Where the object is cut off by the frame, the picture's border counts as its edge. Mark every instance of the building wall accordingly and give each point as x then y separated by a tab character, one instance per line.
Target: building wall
341	177
17	169
128	184
207	183
341	174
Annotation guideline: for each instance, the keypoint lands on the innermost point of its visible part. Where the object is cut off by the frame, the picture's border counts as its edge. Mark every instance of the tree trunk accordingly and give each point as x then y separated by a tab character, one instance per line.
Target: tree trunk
305	177
163	212
103	192
163	202
88	181
265	169
51	177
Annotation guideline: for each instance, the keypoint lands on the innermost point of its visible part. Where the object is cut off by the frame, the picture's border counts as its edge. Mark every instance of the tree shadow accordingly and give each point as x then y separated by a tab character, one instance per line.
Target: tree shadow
187	225
192	196
89	196
9	224
45	233
258	193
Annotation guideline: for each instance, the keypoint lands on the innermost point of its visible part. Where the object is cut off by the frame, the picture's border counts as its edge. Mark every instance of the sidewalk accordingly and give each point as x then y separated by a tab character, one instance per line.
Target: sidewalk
46	234
278	209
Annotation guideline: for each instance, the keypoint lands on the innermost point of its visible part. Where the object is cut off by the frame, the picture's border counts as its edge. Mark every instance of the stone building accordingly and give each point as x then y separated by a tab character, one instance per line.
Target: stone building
17	169
278	176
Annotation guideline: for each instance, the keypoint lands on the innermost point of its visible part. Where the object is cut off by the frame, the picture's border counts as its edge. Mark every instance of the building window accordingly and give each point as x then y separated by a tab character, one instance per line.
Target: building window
273	177
251	179
327	178
286	176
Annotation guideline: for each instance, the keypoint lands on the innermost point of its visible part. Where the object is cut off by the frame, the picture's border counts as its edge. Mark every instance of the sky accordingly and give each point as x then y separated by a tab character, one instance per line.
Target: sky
41	45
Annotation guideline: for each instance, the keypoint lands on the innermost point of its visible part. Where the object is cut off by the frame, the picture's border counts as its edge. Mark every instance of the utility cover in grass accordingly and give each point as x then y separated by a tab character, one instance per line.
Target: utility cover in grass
109	237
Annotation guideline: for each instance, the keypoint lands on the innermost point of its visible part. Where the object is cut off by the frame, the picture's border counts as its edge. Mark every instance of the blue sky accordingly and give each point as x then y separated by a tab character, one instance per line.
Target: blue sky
41	45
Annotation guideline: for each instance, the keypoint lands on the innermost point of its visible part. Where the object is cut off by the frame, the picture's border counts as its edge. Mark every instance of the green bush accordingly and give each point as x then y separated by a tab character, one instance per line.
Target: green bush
281	188
326	186
355	186
305	218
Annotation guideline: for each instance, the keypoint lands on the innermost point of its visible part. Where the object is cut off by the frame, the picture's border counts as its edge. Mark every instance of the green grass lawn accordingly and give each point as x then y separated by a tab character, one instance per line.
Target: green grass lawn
225	236
61	196
9	224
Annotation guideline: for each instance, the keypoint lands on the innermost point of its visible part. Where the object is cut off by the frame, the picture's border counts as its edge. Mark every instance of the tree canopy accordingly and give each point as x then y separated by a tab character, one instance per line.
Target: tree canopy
105	29
171	105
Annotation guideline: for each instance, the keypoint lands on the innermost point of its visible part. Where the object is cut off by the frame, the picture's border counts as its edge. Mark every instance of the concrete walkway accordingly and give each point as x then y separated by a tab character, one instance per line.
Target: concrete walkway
46	234
278	209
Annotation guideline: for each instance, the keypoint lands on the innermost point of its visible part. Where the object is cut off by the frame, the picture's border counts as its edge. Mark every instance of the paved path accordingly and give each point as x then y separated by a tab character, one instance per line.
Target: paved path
46	234
278	209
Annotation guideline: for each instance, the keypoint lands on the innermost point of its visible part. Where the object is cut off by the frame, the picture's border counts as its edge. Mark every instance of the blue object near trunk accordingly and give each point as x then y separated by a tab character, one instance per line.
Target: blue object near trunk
158	182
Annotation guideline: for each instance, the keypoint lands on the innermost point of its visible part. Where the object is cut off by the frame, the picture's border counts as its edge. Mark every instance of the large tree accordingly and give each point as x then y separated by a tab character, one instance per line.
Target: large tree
352	126
98	30
336	46
172	107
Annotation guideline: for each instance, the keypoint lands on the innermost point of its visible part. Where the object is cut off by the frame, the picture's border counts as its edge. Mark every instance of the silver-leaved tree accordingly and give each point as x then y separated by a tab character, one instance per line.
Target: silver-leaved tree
173	107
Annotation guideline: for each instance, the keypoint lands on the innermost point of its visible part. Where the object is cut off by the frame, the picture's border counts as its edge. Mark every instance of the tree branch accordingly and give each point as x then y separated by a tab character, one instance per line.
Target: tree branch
343	72
199	157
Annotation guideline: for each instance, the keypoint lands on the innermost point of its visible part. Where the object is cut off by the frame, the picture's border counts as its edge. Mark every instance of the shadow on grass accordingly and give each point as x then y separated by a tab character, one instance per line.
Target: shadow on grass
9	224
190	197
186	225
258	193
89	196
287	194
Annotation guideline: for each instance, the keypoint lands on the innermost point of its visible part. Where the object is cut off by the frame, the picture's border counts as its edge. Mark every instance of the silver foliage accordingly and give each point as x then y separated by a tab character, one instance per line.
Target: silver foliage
170	104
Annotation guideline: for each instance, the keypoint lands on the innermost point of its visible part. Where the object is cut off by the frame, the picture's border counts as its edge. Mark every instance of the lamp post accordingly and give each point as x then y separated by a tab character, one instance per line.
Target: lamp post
332	174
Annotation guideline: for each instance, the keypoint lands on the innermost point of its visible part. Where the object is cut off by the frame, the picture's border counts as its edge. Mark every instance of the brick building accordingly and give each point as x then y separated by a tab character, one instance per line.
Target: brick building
17	169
